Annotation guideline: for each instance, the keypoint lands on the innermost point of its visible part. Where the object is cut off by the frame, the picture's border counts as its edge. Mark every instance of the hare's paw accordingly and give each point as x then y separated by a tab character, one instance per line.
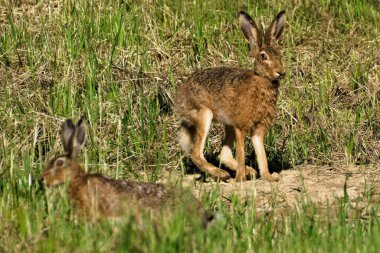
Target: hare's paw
250	172
275	177
219	174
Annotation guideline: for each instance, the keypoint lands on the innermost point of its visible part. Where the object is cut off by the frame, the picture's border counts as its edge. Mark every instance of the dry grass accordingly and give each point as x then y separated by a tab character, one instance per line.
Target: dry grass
119	63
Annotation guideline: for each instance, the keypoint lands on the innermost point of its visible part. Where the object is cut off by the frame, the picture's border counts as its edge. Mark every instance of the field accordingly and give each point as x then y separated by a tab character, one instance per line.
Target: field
119	63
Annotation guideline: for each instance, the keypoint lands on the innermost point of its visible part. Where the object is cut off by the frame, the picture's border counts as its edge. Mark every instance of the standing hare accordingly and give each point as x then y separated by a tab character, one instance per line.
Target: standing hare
244	100
97	196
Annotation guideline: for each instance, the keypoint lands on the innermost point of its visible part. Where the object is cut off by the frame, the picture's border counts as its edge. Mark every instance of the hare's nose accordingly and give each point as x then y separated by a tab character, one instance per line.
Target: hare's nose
280	75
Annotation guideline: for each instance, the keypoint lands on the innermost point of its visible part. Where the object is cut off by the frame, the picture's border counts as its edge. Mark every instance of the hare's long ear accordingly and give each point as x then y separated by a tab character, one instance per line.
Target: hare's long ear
251	32
275	29
67	131
78	140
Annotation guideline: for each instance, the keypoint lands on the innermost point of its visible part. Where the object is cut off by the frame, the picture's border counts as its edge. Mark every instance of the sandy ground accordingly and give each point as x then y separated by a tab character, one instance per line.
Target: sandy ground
320	185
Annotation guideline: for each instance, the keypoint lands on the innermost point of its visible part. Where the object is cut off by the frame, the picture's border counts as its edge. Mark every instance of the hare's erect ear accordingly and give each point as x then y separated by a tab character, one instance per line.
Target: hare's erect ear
68	131
79	137
251	32
81	131
275	29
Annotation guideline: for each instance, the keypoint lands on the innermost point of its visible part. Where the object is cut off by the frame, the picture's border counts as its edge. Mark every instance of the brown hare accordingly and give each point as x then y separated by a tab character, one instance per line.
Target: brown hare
97	196
244	100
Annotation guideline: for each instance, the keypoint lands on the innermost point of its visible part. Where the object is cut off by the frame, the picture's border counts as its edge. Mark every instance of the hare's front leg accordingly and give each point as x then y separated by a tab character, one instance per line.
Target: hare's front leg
202	125
258	144
241	171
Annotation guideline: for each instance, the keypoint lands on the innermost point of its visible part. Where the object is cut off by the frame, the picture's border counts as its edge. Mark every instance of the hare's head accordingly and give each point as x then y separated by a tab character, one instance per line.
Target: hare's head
65	167
262	45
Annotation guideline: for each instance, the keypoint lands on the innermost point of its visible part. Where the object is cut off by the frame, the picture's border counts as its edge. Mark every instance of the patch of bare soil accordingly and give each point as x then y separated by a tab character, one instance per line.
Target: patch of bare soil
320	185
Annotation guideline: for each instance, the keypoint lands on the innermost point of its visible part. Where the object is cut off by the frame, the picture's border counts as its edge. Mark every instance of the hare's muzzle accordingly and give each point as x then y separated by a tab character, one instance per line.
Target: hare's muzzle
46	178
279	75
43	180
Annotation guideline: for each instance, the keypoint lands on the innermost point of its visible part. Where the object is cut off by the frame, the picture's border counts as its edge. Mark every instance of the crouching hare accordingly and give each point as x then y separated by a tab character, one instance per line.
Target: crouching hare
97	196
244	100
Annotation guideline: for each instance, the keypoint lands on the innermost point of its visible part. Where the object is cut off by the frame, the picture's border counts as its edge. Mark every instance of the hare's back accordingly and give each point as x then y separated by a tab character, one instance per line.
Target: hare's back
212	88
216	80
119	193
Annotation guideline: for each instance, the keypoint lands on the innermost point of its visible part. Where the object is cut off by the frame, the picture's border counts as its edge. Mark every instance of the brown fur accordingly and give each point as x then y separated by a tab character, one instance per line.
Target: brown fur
241	99
97	196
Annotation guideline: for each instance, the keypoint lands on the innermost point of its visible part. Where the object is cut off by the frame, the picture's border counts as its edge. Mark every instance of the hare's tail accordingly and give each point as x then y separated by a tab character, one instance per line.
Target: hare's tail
186	137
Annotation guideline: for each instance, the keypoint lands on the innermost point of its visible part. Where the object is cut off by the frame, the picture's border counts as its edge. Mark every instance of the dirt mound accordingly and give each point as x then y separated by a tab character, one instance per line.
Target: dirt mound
314	184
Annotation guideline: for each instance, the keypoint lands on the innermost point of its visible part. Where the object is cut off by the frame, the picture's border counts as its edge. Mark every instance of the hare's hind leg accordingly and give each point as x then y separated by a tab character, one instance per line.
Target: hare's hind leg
226	157
186	137
203	119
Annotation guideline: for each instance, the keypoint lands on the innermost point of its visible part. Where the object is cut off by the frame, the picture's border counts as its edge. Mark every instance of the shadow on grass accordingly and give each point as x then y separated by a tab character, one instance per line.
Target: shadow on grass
276	164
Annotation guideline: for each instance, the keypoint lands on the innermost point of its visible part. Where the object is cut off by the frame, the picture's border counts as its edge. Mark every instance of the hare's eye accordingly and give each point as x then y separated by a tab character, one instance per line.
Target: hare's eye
263	57
59	163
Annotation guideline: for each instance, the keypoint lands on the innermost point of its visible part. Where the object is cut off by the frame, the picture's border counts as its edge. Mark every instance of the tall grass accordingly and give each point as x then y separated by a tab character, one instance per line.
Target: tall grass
118	63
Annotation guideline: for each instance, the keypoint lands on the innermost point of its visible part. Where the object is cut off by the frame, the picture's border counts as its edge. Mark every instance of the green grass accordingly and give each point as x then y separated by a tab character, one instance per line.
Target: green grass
118	63
32	220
